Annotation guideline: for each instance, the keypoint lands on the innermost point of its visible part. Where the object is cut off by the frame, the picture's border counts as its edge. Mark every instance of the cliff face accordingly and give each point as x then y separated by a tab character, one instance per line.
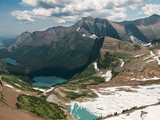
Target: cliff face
66	57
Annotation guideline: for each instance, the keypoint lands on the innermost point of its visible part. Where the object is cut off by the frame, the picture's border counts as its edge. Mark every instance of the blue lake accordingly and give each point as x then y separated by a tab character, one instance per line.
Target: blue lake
11	61
81	113
2	46
47	81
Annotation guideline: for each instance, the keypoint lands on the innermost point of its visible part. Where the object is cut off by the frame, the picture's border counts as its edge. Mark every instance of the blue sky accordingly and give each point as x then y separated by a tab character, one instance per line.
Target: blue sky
18	16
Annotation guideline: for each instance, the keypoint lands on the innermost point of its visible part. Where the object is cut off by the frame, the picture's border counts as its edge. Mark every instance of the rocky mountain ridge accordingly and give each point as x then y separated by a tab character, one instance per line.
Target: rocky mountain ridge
74	48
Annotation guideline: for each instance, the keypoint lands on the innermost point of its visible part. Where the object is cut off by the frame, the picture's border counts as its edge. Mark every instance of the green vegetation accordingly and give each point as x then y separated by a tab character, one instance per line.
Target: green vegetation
109	61
17	83
137	47
114	74
112	60
124	56
73	95
82	83
40	107
87	72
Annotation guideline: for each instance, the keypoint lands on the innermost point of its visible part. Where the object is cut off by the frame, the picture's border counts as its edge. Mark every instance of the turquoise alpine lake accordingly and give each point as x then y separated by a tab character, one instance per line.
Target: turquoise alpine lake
11	61
151	88
47	81
81	113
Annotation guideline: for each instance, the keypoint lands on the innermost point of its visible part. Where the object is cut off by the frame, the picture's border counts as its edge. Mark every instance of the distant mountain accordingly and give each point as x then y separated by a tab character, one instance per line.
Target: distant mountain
68	50
8	41
148	26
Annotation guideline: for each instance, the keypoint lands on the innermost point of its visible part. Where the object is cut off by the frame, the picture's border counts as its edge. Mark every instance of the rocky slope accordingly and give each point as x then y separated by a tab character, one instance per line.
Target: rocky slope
148	26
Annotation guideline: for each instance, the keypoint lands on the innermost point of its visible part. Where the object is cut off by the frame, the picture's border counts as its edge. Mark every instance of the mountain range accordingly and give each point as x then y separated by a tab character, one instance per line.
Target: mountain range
66	51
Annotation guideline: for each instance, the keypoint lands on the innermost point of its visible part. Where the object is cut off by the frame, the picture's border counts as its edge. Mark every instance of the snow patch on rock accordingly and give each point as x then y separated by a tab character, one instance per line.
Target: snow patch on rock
138	55
95	66
122	62
107	76
42	90
84	35
49	90
145	79
7	85
17	85
93	36
78	29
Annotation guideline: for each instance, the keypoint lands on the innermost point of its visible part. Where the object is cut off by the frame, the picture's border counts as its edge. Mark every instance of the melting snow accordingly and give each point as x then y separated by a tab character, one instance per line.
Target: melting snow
8	86
122	62
17	85
138	55
147	44
157	58
78	29
93	36
18	90
151	55
144	79
135	39
49	90
95	66
132	38
42	90
149	113
118	101
107	76
84	35
154	57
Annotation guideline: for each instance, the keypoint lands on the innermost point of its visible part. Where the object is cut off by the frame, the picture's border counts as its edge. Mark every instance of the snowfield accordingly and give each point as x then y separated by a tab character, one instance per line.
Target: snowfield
149	113
115	100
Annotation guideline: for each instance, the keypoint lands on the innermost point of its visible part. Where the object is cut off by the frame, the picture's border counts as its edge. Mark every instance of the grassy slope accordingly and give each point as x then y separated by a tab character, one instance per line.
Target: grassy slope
12	80
40	107
80	82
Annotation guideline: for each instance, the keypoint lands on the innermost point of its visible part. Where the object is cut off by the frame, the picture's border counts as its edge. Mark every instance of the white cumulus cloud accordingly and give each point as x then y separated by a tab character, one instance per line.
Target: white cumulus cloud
150	9
111	9
22	15
41	12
